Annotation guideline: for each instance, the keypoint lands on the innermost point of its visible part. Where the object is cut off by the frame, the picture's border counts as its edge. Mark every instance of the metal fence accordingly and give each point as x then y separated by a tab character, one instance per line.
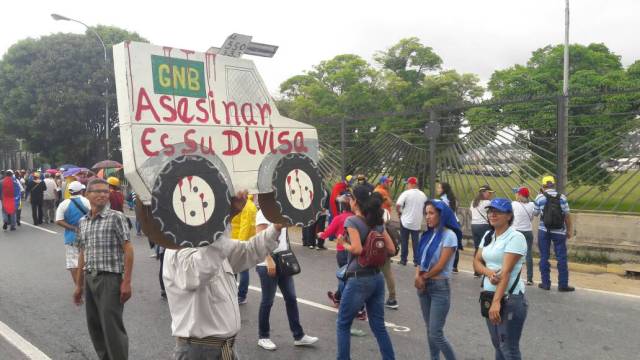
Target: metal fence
505	144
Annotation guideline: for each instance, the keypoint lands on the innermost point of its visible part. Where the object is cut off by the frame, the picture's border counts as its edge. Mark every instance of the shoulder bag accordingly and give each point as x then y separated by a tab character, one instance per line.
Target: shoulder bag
286	261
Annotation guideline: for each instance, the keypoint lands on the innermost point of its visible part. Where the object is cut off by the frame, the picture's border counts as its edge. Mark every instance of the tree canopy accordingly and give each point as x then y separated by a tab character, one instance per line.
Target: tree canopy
52	94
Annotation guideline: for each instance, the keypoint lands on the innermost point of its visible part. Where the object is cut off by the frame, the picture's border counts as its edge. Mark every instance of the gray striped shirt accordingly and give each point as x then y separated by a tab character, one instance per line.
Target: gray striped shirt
102	239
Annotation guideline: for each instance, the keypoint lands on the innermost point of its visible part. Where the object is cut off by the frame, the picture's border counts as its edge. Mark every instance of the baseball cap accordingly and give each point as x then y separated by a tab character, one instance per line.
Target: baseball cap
486	188
412	180
76	186
383	179
548	179
523	191
501	204
361	177
362	193
348	178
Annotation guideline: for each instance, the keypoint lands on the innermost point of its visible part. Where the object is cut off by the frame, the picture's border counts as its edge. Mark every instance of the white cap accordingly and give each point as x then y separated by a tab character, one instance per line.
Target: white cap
76	186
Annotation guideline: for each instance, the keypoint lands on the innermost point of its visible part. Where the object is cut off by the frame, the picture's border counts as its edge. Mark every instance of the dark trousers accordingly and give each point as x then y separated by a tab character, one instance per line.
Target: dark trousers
559	241
36	212
404	243
269	285
309	235
104	315
161	257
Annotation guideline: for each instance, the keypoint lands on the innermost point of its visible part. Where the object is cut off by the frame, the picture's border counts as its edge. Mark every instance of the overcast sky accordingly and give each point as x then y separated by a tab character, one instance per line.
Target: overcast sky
469	35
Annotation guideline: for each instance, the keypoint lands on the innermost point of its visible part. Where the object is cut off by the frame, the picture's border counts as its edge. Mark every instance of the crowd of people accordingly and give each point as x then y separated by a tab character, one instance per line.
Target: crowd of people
205	286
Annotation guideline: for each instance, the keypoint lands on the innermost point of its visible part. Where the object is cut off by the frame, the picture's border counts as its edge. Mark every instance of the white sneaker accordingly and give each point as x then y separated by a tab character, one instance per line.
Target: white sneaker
267	344
306	340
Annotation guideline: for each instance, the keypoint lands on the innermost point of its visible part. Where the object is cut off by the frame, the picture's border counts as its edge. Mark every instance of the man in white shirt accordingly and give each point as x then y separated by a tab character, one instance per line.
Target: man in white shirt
49	199
410	207
201	287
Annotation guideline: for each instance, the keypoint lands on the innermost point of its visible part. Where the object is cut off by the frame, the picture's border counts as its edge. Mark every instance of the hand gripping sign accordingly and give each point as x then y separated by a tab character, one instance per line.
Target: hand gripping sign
197	127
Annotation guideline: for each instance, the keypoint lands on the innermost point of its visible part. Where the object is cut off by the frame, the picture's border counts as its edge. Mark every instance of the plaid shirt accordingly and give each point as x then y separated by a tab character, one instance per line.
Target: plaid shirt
102	239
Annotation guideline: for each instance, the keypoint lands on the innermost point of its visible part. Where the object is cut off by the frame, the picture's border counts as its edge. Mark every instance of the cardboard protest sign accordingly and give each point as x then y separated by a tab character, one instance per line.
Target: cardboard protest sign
197	127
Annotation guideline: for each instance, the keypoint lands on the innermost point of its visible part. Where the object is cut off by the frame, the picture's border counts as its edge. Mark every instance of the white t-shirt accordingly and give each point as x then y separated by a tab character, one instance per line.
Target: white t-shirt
62	208
522	215
479	213
411	204
52	188
282	246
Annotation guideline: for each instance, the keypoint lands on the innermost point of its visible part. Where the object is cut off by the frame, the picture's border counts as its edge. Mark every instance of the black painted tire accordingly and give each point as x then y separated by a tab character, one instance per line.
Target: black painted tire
179	230
301	215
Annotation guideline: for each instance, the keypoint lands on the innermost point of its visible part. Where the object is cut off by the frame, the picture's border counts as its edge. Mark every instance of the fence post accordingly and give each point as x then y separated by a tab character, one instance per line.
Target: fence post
562	143
343	151
432	131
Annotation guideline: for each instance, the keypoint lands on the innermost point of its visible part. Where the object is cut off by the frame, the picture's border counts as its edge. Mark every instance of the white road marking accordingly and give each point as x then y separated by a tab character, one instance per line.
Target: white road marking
577	288
21	344
38	227
393	326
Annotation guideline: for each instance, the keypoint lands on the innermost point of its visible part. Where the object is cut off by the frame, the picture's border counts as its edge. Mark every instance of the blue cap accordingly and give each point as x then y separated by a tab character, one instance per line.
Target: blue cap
383	179
501	204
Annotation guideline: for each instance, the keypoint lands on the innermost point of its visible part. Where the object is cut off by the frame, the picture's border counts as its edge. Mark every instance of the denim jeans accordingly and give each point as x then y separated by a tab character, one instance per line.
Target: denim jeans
9	219
404	244
545	239
243	284
528	235
288	290
505	336
367	290
435	303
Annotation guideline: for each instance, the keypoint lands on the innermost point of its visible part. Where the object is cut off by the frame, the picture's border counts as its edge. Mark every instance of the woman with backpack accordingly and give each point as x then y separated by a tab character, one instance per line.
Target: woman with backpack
368	247
437	248
479	220
522	217
499	260
446	195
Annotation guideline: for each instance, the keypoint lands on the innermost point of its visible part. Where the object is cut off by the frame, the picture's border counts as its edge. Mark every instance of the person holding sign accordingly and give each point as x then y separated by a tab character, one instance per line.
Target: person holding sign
201	287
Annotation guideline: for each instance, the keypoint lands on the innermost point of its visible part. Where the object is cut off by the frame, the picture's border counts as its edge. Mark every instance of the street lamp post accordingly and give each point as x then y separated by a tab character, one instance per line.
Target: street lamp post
106	68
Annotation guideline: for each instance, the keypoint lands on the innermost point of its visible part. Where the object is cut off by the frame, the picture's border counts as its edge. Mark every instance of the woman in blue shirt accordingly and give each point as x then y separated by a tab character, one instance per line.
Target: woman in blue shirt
437	248
500	258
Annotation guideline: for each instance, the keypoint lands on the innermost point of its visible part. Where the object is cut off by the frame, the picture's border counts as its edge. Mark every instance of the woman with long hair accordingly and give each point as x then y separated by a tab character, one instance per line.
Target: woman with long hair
500	259
523	215
448	197
437	247
479	219
364	285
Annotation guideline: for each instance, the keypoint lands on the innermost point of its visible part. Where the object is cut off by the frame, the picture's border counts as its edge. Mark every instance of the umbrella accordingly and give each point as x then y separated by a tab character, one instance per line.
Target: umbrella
68	166
52	171
106	164
74	171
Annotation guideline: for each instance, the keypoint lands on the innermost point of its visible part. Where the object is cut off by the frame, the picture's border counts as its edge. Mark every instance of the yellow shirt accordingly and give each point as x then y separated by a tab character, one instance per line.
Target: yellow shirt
243	225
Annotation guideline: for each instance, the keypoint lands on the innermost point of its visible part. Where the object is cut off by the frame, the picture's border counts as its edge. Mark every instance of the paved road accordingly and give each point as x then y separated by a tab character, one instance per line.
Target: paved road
35	301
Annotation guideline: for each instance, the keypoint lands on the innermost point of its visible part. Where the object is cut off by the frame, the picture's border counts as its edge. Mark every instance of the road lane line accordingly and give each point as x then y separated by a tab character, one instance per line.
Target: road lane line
21	343
398	328
38	227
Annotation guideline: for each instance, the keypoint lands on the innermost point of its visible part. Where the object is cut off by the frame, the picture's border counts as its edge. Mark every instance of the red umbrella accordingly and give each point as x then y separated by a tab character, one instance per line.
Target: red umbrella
52	171
106	164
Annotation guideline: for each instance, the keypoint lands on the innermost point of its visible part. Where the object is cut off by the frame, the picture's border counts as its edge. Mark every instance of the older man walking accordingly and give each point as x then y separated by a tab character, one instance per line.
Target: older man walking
104	271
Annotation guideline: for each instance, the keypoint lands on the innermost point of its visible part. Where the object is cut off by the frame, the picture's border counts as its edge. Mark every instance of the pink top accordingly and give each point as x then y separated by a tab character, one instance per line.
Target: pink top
336	228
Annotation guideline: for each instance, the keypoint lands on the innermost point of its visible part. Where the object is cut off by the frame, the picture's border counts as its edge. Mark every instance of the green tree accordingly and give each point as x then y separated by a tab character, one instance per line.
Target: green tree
52	94
593	119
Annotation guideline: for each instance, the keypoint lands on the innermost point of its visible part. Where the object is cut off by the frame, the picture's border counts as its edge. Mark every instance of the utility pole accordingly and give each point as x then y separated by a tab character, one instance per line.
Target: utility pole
563	113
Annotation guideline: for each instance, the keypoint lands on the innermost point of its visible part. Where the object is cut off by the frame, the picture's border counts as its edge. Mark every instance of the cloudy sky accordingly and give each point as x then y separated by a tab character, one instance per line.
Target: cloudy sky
470	35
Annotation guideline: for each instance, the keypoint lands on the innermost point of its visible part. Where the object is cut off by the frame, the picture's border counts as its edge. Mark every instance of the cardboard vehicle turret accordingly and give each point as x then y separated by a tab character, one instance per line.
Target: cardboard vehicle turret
197	127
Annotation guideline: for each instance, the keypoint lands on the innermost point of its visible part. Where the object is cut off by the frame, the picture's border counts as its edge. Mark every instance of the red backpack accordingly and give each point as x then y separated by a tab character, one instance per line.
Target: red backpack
374	251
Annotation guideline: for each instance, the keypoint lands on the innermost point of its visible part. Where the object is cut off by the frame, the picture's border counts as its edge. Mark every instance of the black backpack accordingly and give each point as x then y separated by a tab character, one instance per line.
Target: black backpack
552	215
